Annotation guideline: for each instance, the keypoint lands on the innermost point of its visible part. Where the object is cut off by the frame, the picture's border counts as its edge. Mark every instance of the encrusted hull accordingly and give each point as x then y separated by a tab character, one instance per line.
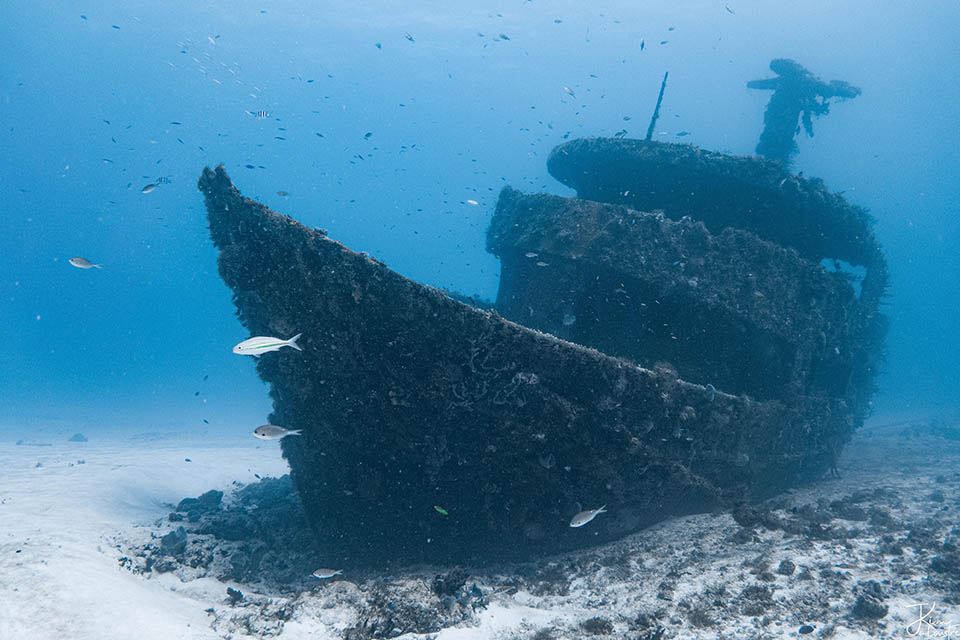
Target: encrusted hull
435	431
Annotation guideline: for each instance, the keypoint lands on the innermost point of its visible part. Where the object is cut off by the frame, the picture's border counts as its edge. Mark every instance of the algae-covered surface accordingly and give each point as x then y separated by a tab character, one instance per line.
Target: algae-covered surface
436	431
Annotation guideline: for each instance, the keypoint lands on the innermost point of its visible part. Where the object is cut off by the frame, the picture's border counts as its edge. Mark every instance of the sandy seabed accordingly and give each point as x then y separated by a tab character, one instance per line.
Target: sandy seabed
871	554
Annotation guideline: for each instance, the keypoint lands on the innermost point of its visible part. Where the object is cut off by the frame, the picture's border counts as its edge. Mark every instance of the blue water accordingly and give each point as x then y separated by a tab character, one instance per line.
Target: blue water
453	115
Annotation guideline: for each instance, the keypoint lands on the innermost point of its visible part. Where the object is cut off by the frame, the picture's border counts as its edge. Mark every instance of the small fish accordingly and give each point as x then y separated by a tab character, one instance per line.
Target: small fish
441	510
530	254
642	44
584	517
503	37
323	574
163	180
273	432
569	91
264	344
259	115
83	263
282	193
378	45
473	202
148	188
205	421
367	135
683	133
541	263
409	37
729	9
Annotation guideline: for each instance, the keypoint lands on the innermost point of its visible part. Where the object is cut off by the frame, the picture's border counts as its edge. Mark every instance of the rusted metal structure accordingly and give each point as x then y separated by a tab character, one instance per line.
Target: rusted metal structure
657	362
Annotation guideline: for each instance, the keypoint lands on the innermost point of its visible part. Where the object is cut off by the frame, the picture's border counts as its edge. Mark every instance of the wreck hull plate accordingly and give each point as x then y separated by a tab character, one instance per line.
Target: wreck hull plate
413	404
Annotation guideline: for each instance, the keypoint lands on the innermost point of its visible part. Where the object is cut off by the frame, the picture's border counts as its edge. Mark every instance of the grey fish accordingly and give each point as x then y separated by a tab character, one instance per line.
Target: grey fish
147	188
83	263
584	517
273	432
323	574
264	344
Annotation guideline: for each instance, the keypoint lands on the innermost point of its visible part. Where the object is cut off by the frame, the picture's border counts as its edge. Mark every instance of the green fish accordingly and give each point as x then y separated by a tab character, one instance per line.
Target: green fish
441	510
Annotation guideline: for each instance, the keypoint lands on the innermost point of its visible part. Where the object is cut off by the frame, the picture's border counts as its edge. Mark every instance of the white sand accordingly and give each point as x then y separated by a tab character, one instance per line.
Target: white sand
63	516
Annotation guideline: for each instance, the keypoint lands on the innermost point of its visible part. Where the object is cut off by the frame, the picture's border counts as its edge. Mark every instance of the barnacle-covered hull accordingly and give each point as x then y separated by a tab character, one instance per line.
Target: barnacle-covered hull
437	431
728	309
767	232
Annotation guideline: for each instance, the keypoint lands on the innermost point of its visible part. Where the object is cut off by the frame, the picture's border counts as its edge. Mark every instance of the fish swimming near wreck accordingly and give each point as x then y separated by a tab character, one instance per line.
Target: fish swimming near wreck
273	432
584	517
83	263
323	574
264	344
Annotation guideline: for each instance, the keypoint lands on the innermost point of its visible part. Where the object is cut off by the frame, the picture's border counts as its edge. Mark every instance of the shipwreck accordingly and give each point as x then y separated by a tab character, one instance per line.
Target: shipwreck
667	342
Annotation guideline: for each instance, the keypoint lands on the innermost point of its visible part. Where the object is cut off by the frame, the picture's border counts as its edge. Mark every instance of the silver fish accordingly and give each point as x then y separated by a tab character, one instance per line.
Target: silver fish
584	517
323	574
569	92
273	432
264	344
147	188
83	263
